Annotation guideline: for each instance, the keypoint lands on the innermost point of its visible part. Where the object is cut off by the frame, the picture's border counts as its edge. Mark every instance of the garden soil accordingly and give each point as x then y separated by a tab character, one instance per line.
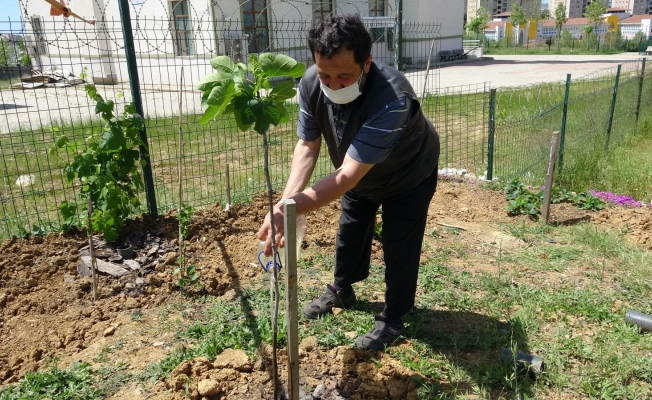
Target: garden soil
47	310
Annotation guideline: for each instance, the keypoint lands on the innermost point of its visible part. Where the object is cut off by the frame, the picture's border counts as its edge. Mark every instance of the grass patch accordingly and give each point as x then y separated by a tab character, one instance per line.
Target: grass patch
75	383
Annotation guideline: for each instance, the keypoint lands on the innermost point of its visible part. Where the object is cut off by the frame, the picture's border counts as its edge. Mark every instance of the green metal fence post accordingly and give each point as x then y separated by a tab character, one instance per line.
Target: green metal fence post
613	108
562	137
640	90
398	36
134	84
492	131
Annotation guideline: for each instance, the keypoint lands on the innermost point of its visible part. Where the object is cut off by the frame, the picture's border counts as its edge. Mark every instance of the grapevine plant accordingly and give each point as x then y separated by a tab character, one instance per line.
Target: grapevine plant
106	165
247	92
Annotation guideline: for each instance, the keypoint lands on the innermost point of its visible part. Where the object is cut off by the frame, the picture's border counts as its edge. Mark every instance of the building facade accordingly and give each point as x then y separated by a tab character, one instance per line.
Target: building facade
574	8
184	31
492	6
635	7
629	27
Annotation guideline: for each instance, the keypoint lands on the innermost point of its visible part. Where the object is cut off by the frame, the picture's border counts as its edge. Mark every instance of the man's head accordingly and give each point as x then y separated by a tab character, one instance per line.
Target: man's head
345	32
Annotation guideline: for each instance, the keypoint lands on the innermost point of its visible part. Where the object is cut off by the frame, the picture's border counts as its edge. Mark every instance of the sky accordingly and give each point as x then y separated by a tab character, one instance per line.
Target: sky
9	9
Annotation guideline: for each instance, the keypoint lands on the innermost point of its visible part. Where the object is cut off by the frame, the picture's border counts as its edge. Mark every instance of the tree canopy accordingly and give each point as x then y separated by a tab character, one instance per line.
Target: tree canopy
479	23
594	12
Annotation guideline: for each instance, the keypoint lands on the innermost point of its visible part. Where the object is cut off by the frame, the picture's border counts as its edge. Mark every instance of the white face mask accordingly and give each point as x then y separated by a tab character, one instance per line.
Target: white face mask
344	95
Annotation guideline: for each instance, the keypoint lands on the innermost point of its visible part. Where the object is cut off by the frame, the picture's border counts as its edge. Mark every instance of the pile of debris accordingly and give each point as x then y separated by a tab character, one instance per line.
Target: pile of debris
50	77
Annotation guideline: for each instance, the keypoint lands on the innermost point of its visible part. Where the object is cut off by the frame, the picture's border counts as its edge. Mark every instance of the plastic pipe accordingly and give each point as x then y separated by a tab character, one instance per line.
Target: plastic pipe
641	320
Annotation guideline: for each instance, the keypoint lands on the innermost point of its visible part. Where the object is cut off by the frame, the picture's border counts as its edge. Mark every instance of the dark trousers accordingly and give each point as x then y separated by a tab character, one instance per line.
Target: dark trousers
404	223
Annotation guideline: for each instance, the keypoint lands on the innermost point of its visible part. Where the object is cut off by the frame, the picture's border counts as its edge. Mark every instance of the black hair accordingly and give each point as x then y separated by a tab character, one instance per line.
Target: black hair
330	36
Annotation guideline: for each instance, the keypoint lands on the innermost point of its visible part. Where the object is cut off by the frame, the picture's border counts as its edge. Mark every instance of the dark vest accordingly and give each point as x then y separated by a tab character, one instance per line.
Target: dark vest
414	156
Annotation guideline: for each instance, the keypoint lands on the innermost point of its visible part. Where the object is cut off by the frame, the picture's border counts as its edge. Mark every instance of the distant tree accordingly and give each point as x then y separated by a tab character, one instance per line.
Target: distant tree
560	20
518	18
479	23
531	9
12	51
545	14
594	12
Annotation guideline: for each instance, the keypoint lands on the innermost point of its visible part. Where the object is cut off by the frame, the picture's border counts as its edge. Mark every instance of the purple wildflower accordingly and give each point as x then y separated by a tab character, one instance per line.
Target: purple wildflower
618	199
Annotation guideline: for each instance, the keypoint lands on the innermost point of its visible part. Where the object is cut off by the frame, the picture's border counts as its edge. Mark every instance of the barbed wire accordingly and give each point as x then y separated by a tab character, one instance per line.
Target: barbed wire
85	36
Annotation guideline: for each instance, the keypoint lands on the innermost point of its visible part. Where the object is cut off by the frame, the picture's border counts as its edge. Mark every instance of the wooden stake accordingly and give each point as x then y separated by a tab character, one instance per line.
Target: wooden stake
425	80
291	302
89	209
228	189
180	169
450	226
547	194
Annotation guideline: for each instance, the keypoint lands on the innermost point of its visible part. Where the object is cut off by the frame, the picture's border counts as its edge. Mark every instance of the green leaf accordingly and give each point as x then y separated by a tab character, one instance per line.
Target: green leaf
224	64
254	67
105	108
61	141
210	113
242	119
220	96
112	139
283	90
218	78
274	65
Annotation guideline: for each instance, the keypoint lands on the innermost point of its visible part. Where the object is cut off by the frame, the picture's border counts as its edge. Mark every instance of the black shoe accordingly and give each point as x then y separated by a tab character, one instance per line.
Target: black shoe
383	334
325	303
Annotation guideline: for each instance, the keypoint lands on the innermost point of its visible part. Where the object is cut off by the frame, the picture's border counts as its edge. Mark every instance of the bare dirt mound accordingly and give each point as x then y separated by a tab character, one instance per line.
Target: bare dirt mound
46	307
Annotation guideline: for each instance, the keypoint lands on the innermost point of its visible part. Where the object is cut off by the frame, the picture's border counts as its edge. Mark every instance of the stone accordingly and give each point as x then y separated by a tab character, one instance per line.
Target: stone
84	270
208	387
154	281
68	279
36	355
106	267
184	368
177	383
132	264
109	331
131	303
351	334
31	282
140	281
308	344
319	391
170	258
232	358
201	365
25	180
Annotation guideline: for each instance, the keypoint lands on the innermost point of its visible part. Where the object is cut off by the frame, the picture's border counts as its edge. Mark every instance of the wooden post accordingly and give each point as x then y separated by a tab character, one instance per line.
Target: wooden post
228	186
547	194
292	314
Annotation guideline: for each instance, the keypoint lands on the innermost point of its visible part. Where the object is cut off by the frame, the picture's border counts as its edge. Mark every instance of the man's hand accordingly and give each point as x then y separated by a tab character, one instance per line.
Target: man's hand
265	231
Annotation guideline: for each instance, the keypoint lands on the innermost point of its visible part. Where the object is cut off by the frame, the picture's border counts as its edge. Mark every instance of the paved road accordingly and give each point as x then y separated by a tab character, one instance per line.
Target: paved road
511	70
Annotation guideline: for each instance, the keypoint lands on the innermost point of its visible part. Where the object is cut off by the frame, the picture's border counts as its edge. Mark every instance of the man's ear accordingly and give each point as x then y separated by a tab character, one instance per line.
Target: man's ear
367	64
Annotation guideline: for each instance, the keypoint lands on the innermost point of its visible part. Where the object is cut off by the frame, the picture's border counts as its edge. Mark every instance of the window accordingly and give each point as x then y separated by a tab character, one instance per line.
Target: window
254	15
376	8
182	33
321	9
41	45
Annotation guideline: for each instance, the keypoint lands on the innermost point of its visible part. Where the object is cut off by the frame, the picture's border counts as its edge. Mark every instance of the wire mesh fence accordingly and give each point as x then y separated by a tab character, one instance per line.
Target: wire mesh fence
48	100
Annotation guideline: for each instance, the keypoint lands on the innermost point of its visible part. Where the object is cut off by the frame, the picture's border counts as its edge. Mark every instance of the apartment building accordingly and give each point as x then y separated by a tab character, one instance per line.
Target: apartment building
574	8
493	6
635	7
